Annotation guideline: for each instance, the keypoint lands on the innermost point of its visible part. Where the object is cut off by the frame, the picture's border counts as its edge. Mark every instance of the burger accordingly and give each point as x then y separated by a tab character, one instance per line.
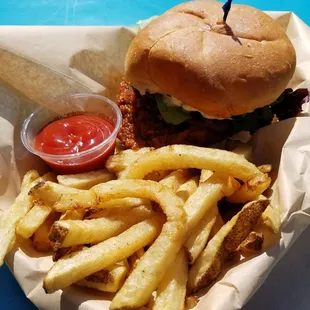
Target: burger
193	78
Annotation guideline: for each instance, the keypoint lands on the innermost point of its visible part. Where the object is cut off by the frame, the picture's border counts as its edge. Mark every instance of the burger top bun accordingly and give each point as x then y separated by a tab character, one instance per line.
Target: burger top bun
221	69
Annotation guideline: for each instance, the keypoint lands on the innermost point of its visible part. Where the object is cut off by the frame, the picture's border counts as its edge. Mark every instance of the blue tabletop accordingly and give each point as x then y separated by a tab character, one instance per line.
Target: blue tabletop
112	12
127	12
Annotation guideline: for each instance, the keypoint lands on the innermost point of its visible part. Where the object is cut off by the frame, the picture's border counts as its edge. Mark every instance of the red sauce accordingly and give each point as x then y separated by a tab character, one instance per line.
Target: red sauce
73	135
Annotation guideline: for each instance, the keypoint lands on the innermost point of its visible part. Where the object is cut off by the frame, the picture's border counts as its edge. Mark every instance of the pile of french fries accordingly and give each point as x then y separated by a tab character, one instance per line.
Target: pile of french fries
147	227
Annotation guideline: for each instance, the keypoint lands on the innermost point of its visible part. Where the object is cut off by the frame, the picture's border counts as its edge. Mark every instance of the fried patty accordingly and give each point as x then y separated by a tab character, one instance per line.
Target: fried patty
143	124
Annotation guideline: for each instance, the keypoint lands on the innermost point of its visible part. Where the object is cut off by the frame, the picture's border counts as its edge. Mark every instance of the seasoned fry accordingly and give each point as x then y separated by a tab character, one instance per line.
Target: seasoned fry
219	223
198	237
109	279
11	217
252	243
210	263
99	195
205	175
74	232
61	252
85	180
77	214
172	289
157	175
40	237
201	210
187	156
151	268
134	258
271	219
96	213
265	168
175	179
29	177
33	219
207	196
62	198
188	188
124	159
79	265
251	190
117	204
51	192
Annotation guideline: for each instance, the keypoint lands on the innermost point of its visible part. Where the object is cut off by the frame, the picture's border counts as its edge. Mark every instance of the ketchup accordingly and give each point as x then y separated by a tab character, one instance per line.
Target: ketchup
73	135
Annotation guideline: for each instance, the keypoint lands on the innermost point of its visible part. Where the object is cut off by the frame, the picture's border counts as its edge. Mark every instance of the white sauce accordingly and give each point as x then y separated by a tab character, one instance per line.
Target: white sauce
171	101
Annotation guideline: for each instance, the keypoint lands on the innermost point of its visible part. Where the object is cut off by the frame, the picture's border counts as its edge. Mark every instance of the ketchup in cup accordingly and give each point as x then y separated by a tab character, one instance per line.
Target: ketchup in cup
75	134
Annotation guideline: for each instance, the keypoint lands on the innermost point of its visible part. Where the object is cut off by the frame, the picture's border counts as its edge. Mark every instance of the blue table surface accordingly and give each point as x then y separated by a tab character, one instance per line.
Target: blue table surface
127	12
112	12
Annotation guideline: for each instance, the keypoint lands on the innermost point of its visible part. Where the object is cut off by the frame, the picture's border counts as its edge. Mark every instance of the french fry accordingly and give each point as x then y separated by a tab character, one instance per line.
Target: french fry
75	267
186	156
175	179
134	258
251	190
150	269
207	196
210	263
271	219
62	198
33	219
74	232
265	168
109	279
96	213
77	214
99	196
85	180
122	160
205	175
172	289
157	175
219	223
10	218
106	212
29	177
252	243
199	235
58	253
188	188
201	210
51	192
40	237
117	204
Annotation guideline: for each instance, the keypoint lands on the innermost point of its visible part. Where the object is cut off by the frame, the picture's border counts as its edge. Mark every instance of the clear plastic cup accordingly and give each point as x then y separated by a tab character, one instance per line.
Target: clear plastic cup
87	160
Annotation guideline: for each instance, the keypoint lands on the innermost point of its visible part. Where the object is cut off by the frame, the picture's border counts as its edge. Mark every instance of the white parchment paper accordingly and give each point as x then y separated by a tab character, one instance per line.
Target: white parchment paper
38	64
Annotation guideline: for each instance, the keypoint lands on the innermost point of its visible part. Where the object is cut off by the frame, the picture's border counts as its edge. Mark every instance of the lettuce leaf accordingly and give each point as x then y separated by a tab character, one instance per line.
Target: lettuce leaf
288	105
171	115
253	121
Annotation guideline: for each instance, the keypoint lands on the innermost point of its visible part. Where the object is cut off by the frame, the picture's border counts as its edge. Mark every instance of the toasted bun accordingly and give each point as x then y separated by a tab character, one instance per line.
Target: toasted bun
219	69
